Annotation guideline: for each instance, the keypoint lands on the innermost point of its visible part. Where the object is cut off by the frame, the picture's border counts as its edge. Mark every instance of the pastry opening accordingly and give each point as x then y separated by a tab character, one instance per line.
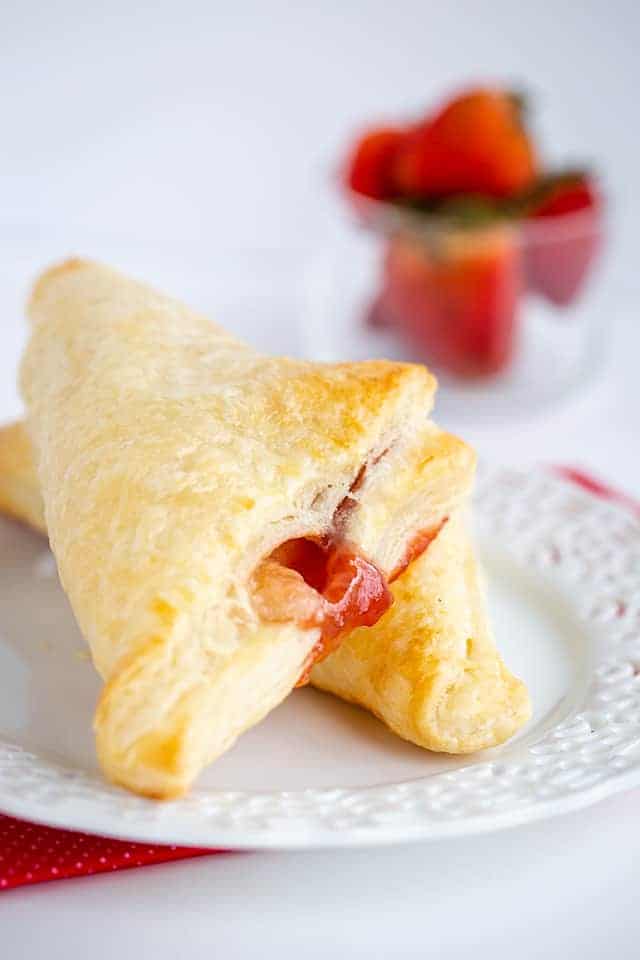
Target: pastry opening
330	584
317	582
308	556
326	582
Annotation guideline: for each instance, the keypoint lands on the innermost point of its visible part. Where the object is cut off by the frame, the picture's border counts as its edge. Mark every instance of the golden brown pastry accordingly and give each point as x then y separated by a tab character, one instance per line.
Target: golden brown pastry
219	518
429	668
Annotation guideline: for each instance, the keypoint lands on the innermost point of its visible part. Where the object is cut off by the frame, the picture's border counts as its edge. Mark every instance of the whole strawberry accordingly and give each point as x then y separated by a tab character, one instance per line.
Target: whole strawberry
476	143
370	167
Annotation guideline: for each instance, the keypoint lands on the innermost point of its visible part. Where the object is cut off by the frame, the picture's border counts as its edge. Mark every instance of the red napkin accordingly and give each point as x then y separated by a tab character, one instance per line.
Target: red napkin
30	853
598	488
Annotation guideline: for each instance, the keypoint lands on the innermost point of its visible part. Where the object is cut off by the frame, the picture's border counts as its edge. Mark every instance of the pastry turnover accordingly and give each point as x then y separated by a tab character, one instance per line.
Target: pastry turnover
428	667
220	519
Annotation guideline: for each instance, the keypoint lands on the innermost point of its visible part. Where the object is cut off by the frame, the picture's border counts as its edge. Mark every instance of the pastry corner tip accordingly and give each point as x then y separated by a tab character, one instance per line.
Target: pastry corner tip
55	271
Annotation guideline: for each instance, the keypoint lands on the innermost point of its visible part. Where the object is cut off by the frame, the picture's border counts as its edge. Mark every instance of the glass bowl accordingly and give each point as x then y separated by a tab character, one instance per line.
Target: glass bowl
507	313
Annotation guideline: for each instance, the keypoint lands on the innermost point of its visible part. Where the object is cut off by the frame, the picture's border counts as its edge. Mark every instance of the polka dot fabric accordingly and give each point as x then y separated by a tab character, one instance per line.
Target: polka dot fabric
30	853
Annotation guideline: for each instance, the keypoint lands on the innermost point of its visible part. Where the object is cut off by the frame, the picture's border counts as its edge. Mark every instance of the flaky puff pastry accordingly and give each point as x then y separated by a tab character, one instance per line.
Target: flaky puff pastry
429	667
172	460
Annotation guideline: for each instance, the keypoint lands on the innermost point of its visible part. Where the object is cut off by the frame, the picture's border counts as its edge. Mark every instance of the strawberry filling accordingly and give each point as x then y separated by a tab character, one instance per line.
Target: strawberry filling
416	547
319	583
325	583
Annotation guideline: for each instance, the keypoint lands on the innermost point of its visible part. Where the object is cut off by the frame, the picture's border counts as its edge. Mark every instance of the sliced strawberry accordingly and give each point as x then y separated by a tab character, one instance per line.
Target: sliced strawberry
476	143
369	170
455	300
561	248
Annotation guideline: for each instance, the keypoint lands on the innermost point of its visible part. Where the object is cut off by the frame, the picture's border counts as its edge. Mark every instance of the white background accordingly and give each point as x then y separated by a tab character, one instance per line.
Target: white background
209	126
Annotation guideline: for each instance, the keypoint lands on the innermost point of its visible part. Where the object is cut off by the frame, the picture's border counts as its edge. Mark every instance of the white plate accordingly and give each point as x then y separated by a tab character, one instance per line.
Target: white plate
564	573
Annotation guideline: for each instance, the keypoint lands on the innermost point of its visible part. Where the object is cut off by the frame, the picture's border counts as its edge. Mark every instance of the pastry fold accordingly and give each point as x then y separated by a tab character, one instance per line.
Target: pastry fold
172	460
429	667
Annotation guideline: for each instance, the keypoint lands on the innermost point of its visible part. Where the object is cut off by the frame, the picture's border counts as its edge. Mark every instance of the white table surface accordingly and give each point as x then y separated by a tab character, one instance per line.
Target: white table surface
215	125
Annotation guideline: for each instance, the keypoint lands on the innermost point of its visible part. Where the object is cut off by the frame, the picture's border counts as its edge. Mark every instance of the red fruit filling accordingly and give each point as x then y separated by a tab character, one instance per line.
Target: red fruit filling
328	583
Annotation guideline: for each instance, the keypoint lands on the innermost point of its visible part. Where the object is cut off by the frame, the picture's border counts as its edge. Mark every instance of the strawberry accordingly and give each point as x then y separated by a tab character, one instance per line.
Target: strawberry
475	144
559	255
369	170
456	299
